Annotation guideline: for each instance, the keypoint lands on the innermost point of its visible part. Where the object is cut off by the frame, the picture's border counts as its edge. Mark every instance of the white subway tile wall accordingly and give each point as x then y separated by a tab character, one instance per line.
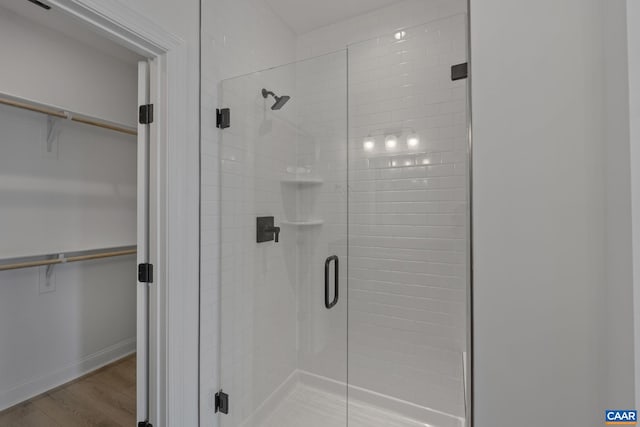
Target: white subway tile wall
259	289
238	37
408	208
273	319
321	86
386	20
408	215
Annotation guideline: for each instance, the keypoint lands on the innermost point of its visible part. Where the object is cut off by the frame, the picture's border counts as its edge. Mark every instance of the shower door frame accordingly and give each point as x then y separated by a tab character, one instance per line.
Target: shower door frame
469	384
223	396
468	365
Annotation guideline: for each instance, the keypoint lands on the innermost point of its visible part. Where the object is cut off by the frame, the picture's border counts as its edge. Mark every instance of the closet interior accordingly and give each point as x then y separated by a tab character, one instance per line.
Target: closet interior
68	191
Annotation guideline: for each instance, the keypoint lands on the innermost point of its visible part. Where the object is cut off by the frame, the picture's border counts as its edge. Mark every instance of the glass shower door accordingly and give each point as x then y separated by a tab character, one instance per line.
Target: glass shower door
409	227
283	172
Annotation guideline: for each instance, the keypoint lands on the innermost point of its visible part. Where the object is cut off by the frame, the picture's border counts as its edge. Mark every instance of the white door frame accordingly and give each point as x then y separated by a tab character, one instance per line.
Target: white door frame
174	244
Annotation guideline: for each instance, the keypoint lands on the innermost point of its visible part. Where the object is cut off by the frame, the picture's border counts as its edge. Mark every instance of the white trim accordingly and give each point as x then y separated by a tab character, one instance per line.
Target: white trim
175	195
37	386
119	23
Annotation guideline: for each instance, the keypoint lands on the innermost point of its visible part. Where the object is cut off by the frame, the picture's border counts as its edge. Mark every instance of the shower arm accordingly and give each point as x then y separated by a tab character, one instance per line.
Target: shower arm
266	93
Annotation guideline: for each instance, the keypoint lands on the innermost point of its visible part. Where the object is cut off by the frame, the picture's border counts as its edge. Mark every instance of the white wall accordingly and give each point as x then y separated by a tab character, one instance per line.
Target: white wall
618	361
52	68
550	213
82	195
633	60
79	196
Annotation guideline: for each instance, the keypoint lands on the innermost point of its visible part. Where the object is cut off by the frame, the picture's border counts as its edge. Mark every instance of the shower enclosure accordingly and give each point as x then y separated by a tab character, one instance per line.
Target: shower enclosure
344	229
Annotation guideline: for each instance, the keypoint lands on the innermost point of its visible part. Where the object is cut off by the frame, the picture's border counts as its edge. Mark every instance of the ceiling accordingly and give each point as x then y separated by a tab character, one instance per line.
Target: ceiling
301	16
304	16
63	23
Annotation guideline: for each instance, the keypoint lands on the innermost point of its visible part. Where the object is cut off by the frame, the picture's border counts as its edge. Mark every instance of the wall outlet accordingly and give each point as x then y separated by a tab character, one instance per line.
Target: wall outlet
47	279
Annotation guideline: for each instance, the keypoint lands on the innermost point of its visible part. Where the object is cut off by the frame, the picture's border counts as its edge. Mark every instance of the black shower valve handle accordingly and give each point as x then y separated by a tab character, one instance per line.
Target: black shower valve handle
266	231
275	231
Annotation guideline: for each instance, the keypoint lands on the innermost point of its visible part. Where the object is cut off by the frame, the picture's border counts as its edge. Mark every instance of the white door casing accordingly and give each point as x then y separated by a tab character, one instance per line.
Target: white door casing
173	207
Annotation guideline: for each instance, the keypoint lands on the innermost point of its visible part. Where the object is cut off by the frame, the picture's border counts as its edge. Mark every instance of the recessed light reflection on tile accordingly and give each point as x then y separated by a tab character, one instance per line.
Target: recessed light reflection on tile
413	140
391	142
400	35
369	144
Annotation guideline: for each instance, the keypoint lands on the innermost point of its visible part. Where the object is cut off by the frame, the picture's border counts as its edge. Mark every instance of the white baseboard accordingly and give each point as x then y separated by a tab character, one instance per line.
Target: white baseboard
32	388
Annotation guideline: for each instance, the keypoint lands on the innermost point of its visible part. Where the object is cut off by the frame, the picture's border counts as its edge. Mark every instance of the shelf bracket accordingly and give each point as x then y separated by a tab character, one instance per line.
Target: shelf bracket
53	131
50	267
49	271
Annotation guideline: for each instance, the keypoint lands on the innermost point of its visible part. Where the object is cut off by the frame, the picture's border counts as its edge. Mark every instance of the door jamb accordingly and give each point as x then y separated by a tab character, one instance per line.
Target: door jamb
176	333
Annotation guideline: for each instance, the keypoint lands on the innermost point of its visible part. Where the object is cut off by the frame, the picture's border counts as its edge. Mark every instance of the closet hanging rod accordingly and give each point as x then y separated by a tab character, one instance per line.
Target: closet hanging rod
29	262
55	112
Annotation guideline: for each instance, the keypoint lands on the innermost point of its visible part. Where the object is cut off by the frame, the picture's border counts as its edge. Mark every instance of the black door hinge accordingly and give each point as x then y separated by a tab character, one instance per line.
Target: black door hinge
223	118
222	402
146	114
144	424
145	273
459	71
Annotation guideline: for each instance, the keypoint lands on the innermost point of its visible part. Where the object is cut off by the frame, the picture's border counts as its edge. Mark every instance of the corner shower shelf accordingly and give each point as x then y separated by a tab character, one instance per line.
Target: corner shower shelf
303	181
304	223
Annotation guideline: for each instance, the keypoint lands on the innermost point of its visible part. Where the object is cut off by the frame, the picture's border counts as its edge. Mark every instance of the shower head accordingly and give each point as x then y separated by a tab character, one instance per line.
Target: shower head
280	100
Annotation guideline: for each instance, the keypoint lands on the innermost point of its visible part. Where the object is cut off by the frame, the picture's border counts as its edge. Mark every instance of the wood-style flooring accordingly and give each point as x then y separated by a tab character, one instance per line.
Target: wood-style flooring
105	398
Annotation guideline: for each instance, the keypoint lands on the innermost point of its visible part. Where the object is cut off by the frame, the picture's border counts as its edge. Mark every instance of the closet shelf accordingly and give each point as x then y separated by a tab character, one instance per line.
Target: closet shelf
59	113
60	258
302	181
303	223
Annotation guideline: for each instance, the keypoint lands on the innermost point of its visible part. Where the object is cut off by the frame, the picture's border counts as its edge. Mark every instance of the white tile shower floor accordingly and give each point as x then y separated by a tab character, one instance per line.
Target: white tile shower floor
306	406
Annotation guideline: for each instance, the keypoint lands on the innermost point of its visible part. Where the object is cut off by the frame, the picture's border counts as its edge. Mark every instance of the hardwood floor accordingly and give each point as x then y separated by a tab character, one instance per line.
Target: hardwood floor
105	398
